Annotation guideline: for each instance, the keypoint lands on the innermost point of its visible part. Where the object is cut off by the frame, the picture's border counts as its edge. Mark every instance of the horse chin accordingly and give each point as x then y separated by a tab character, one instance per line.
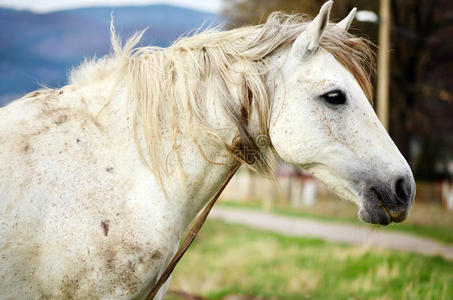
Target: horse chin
376	215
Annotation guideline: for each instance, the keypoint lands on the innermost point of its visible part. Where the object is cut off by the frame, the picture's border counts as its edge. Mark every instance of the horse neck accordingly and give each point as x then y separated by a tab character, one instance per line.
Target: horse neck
193	176
196	169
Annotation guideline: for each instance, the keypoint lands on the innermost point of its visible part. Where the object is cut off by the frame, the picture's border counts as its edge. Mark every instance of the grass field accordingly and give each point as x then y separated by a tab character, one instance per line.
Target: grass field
228	260
428	220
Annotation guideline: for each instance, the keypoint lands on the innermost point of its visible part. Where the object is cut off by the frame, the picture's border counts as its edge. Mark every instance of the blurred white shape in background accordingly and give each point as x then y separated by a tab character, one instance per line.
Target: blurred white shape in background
367	16
309	192
447	194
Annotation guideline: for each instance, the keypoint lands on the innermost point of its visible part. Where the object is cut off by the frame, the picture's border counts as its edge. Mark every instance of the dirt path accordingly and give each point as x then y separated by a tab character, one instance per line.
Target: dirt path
336	232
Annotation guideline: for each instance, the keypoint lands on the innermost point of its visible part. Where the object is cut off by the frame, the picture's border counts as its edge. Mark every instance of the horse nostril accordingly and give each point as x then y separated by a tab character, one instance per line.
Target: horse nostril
402	189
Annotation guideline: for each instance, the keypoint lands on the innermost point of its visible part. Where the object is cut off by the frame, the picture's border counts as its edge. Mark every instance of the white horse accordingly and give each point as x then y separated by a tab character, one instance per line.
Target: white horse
99	179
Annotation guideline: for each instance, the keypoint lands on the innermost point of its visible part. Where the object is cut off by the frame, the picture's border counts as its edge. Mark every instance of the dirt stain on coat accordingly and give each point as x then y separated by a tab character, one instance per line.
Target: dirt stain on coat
61	119
105	226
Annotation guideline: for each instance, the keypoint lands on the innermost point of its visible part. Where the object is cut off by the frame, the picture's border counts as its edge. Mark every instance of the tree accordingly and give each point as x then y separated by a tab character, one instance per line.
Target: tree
422	102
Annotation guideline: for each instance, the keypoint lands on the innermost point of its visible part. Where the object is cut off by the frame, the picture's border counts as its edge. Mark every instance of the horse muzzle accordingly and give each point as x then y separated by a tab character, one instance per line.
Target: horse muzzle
386	203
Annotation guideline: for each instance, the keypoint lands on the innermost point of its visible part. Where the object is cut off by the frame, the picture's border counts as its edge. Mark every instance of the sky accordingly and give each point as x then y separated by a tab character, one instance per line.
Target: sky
43	6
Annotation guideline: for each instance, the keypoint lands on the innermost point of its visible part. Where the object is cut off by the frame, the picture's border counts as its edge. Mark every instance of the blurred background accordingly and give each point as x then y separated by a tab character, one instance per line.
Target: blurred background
40	41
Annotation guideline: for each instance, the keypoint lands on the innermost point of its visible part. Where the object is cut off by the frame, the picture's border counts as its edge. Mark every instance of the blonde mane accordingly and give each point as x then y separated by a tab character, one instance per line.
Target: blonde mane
173	81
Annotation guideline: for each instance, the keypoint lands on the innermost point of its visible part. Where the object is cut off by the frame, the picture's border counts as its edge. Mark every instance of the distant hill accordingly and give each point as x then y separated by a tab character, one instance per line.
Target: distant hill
41	48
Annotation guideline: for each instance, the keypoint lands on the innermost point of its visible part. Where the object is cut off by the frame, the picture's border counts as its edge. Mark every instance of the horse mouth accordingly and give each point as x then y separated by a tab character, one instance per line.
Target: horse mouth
375	211
387	202
378	216
381	205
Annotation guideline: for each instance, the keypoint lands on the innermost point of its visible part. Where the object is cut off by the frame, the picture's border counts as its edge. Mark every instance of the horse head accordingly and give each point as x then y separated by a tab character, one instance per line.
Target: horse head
323	122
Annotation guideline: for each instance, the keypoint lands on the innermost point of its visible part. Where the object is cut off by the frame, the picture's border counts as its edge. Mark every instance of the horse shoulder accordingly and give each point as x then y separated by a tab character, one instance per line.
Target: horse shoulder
75	219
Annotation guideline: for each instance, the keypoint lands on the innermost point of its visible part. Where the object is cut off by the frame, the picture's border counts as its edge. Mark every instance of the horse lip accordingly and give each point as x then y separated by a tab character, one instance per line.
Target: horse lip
392	216
385	209
377	213
397	218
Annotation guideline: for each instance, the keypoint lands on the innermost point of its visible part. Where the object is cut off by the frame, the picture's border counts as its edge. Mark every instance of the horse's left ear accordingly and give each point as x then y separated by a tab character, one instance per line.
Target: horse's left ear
309	39
346	22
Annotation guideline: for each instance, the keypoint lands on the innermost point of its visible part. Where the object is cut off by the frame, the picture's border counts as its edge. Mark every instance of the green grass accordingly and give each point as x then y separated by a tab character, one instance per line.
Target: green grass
440	232
235	260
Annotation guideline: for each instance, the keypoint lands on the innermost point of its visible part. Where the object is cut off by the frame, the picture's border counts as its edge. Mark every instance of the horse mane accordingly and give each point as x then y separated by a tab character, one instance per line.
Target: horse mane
174	80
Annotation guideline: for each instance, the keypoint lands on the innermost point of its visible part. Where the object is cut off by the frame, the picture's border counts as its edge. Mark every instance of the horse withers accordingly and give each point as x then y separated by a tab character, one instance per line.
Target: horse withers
99	179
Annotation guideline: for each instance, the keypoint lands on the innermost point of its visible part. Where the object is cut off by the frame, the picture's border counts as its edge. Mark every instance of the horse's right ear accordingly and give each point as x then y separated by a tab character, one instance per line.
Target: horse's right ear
309	39
346	22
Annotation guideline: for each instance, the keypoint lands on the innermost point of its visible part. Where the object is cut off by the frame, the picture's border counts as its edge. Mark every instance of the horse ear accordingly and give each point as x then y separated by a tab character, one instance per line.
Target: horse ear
346	22
308	41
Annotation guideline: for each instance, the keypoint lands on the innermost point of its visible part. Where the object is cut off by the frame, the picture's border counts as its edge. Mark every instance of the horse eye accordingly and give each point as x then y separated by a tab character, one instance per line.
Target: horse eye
335	97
